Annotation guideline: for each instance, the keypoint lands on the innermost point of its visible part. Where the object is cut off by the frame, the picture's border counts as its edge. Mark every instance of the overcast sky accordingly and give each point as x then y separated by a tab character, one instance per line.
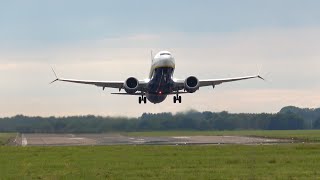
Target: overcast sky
111	40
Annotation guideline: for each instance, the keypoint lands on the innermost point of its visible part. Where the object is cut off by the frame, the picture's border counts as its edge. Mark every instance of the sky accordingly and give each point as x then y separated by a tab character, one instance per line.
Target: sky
112	40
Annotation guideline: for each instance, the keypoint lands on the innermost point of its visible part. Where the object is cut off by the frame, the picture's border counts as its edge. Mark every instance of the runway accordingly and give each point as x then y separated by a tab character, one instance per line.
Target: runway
118	139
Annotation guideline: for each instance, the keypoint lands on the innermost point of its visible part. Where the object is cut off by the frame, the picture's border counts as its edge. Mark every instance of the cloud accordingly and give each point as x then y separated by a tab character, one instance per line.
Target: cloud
7	66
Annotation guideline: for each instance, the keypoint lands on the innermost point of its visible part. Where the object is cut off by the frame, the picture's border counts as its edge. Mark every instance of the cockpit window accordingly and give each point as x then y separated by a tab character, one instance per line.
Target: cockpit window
162	54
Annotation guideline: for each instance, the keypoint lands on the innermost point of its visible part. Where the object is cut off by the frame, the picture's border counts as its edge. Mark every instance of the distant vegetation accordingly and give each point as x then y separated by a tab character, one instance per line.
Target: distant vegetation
289	118
311	117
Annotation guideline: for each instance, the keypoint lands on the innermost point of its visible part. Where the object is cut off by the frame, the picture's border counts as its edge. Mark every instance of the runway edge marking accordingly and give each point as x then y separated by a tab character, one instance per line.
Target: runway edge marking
24	141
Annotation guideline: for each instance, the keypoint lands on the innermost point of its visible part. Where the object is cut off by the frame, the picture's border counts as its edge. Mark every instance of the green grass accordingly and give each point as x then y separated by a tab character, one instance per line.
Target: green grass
292	161
304	135
4	137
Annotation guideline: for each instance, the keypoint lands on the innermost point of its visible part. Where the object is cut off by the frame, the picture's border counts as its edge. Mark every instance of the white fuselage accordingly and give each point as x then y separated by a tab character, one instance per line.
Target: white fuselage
163	59
161	74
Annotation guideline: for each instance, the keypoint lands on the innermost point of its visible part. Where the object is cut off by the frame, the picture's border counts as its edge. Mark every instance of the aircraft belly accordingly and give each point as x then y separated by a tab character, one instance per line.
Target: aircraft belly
160	85
154	98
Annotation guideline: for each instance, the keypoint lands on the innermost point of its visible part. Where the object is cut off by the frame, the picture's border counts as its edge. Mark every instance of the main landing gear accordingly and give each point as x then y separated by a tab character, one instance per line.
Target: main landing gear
142	99
176	98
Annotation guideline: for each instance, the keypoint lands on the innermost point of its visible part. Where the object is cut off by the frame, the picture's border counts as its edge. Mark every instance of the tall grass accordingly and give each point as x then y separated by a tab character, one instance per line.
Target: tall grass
293	161
5	137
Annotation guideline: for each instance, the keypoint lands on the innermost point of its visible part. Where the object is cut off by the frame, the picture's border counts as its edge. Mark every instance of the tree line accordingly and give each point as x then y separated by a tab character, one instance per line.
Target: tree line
288	118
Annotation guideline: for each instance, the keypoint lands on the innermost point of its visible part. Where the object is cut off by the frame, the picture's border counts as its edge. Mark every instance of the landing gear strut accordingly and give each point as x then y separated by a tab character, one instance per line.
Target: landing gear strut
176	98
142	98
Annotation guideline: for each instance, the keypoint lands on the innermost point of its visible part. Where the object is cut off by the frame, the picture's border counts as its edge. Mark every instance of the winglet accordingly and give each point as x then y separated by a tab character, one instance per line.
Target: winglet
57	79
259	72
261	77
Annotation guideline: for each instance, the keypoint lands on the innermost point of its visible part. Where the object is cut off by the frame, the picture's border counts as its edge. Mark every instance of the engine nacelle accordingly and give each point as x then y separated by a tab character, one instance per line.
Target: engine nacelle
131	85
191	84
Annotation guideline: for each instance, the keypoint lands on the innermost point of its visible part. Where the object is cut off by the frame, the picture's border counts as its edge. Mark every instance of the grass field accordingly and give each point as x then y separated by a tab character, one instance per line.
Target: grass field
292	161
303	135
4	137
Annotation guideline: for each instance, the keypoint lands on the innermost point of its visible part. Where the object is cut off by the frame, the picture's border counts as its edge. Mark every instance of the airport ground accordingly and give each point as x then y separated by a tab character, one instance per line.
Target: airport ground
5	137
298	159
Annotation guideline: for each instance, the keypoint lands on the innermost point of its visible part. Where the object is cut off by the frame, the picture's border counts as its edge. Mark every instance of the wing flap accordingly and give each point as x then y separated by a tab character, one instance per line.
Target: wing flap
209	82
110	84
179	84
104	84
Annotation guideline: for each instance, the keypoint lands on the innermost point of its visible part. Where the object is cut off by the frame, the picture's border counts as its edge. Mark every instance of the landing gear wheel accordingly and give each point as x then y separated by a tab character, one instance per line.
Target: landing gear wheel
177	98
142	99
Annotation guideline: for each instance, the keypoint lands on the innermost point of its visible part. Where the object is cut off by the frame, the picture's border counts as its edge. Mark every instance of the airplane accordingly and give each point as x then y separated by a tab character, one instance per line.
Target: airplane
160	82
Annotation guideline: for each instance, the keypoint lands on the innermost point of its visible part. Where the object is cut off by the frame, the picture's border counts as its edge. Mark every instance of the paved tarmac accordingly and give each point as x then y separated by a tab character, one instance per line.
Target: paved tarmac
118	139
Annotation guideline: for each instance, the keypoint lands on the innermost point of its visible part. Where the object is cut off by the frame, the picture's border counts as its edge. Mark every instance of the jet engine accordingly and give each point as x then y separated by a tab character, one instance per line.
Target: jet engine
191	84
131	85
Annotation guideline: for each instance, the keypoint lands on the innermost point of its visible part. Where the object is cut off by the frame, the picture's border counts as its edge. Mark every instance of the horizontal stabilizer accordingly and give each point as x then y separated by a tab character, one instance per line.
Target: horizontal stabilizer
137	94
140	94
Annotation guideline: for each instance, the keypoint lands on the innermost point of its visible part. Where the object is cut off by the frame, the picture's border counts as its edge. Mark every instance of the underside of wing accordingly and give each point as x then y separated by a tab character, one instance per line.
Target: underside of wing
133	94
213	82
180	84
110	84
105	84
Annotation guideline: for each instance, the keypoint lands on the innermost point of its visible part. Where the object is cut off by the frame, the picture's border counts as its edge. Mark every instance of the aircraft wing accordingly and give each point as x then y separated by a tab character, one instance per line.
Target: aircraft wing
213	82
103	84
110	84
